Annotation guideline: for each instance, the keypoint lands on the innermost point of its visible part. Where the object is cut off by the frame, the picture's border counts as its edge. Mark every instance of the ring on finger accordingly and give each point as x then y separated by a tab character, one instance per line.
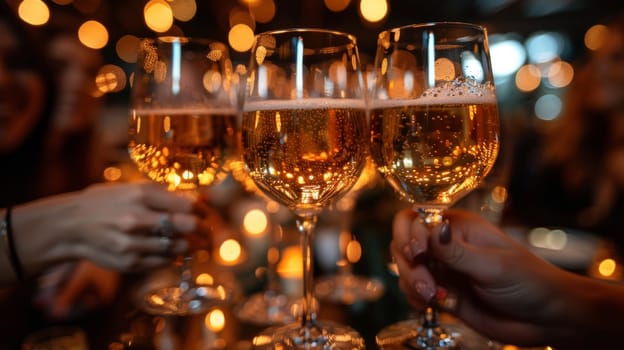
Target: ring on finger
165	226
165	244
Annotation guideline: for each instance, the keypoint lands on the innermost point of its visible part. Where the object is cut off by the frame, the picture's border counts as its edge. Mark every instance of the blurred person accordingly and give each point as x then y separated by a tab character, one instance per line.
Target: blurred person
90	232
72	141
570	173
500	288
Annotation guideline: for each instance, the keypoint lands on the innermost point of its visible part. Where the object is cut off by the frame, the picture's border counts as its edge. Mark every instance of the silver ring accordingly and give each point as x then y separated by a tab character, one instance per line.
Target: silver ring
165	226
165	244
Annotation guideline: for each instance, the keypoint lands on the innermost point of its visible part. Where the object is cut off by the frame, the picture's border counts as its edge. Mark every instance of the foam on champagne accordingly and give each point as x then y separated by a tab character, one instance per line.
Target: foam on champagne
306	103
187	111
443	95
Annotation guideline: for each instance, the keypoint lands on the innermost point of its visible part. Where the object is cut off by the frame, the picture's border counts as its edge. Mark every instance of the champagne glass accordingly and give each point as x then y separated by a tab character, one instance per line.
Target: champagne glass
304	136
434	134
182	132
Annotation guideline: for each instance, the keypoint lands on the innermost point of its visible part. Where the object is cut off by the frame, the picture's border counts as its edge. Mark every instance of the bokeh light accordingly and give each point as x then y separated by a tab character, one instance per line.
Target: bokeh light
373	10
528	78
183	10
337	5
262	10
34	12
93	34
255	222
127	48
560	74
215	320
241	37
158	15
548	107
596	36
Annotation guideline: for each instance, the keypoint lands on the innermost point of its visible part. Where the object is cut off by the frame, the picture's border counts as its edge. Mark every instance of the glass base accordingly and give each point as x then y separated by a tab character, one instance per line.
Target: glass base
180	302
268	308
452	334
348	289
326	335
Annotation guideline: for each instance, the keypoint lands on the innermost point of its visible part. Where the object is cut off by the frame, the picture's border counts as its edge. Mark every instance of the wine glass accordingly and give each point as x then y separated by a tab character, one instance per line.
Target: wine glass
434	134
182	131
304	136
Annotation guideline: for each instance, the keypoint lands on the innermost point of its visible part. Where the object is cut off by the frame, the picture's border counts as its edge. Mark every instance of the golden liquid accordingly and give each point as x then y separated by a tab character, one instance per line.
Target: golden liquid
304	158
184	149
432	155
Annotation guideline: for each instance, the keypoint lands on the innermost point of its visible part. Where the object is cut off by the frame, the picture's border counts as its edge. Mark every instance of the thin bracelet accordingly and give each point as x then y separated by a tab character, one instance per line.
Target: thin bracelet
6	231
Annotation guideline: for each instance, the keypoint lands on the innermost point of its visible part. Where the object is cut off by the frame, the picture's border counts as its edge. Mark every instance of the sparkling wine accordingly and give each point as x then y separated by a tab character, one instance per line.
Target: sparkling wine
305	153
182	148
433	151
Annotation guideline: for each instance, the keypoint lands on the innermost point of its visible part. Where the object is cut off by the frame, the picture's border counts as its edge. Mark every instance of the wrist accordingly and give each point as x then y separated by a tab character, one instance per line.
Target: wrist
589	311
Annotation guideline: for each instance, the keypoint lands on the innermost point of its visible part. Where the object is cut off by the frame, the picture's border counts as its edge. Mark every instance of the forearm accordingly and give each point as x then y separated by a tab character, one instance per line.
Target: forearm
35	233
589	315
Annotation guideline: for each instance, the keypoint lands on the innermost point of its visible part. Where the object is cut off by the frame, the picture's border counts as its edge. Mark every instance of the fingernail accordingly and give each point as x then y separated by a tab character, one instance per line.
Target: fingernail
424	289
445	232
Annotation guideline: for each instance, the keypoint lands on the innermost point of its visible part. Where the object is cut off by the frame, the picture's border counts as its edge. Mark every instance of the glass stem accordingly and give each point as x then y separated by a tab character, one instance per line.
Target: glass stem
186	274
306	226
431	217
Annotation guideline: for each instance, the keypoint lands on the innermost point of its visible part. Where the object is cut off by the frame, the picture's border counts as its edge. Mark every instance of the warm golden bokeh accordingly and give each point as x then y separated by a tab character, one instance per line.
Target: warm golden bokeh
34	12
93	34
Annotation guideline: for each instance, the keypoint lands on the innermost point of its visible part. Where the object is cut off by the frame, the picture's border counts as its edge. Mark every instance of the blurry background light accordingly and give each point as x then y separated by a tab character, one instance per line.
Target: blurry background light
241	37
528	78
263	11
110	78
93	34
560	74
215	320
548	107
373	10
507	54
183	10
158	15
255	222
34	12
337	5
595	36
127	48
544	46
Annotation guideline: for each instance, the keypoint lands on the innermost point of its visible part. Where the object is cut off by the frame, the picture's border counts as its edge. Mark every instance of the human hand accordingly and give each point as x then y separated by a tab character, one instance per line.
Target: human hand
110	224
501	289
75	289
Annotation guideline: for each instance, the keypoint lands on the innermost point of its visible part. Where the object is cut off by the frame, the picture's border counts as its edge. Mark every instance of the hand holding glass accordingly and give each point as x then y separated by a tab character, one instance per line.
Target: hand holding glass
434	132
183	115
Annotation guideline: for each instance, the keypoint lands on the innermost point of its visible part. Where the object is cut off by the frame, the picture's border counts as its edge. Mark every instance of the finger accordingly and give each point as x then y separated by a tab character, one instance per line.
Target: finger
156	221
69	294
159	198
409	234
155	245
416	278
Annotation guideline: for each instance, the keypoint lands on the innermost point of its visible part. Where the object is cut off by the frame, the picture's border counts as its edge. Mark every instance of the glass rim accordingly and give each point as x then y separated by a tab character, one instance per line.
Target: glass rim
168	39
457	24
349	36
